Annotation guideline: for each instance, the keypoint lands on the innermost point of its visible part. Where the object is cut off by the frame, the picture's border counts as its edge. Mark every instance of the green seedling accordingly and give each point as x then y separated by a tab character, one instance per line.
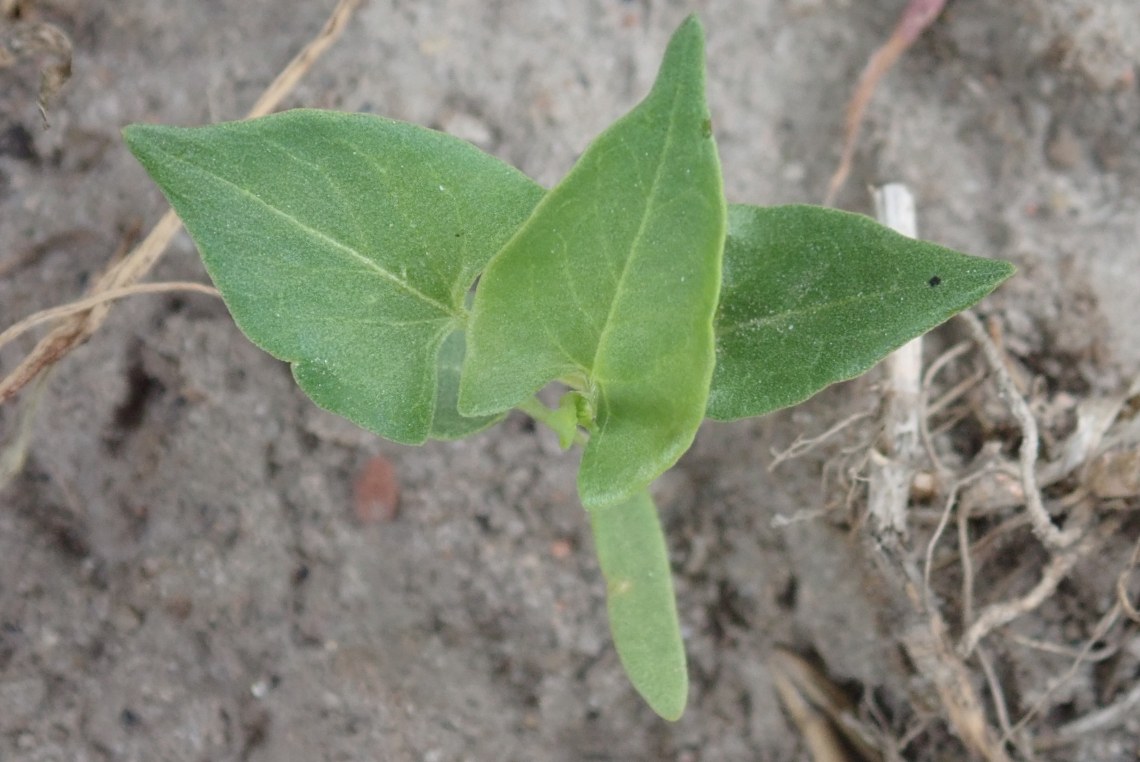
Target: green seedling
349	245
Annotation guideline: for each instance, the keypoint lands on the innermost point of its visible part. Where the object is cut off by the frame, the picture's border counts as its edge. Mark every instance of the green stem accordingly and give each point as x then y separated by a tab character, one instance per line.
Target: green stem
566	427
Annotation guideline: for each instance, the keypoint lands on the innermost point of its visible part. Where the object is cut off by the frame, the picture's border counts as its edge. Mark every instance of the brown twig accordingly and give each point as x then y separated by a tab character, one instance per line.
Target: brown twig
1083	652
81	305
929	650
1122	597
1043	526
1000	614
15	453
915	18
927	383
78	327
926	641
820	710
951	500
1001	708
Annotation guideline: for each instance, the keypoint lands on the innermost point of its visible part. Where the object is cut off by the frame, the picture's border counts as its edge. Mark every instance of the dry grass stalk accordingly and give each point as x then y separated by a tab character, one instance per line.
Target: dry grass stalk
889	488
1001	614
77	327
26	40
915	18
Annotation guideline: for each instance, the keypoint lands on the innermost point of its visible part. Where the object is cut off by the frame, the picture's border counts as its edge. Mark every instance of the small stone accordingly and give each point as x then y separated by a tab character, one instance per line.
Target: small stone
561	549
923	486
376	492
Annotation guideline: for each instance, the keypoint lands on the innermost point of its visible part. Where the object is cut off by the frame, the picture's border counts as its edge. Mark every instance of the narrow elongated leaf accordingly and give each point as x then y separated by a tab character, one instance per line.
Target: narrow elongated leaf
611	285
812	296
639	598
345	244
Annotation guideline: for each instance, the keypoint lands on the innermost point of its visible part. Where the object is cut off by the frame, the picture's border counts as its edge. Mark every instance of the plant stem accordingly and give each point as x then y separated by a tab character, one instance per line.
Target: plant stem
567	430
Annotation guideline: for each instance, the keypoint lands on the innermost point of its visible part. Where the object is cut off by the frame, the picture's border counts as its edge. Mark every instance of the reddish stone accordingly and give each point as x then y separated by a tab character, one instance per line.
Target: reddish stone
376	492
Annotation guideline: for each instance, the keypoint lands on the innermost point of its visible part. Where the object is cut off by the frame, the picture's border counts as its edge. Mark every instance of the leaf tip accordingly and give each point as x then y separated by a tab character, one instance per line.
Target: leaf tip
672	711
690	31
132	135
669	703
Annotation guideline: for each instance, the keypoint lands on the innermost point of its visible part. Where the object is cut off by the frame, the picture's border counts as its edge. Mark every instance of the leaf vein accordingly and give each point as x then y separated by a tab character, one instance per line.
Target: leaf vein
650	199
776	317
322	236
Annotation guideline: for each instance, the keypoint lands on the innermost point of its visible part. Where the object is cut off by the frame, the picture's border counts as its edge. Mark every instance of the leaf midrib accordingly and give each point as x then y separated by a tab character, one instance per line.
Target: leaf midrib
724	329
320	235
650	203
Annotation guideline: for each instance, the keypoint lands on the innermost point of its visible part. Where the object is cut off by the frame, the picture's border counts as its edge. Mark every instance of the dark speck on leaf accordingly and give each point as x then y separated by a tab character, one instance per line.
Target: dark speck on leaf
935	281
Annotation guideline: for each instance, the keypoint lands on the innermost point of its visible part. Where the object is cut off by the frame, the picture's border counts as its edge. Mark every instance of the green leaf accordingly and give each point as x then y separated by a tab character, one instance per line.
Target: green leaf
611	286
812	296
345	244
639	598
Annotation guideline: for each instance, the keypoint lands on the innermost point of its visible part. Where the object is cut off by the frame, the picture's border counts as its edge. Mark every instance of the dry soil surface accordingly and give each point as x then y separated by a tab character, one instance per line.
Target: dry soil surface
183	576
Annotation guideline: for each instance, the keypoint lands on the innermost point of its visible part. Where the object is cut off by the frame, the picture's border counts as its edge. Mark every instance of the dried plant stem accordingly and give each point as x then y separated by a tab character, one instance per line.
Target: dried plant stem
81	305
804	445
1001	614
1043	526
943	522
915	18
78	326
1001	708
1127	606
15	452
929	649
889	488
927	383
925	638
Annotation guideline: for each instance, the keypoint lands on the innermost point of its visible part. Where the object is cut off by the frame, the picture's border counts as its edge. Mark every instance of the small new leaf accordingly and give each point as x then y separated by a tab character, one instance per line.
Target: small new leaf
611	285
812	296
640	602
345	244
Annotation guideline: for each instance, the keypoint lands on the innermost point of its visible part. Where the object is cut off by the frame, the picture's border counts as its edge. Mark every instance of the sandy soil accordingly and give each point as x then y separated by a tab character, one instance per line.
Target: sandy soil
182	576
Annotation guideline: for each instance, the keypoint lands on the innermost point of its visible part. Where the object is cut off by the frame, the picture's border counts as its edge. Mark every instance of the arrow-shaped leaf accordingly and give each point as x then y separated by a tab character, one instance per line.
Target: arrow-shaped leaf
611	286
812	296
345	244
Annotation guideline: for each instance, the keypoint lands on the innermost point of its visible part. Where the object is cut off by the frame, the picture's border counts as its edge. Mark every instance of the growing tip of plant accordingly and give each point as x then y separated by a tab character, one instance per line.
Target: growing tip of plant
636	224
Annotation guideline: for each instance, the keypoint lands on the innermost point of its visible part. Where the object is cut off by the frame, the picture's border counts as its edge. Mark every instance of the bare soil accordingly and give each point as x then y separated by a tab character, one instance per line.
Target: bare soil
183	575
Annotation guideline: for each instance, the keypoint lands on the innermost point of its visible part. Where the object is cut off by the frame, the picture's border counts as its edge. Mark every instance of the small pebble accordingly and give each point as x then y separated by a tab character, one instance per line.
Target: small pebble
376	492
561	549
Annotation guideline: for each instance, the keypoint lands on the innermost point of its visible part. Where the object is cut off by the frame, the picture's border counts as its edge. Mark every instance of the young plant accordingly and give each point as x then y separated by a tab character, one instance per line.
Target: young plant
348	245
